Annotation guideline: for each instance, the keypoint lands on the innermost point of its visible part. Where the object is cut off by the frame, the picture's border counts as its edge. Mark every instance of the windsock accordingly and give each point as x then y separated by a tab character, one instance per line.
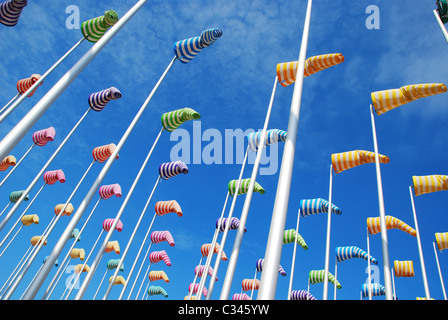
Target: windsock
10	12
36	240
79	268
347	160
78	253
103	153
316	276
244	187
186	50
157	256
7	162
250	284
99	100
350	252
234	224
107	191
404	268
375	288
159	236
301	295
205	249
240	296
42	137
199	270
195	288
56	263
95	28
290	235
107	224
25	84
30	219
170	169
68	209
51	177
157	290
75	234
118	280
374	227
428	184
318	205
113	264
112	246
15	196
272	136
442	240
158	275
174	119
164	207
259	266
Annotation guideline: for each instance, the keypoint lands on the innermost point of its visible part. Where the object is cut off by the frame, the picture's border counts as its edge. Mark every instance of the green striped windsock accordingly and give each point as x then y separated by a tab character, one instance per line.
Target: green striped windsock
290	235
317	276
244	187
95	28
15	196
173	119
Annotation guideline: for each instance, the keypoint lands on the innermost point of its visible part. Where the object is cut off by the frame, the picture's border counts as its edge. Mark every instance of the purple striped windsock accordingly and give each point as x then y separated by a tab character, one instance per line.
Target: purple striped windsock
301	295
159	236
41	137
199	270
107	191
107	224
10	12
51	177
170	169
234	224
98	100
195	288
157	256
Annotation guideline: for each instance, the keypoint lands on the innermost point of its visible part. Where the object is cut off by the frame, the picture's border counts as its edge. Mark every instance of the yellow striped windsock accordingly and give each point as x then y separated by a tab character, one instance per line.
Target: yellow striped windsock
404	268
118	280
373	224
286	72
387	100
347	160
428	184
78	253
79	268
442	240
30	219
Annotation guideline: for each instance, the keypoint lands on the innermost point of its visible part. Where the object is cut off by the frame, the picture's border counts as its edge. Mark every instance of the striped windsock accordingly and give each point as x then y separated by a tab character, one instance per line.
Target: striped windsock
222	222
351	252
112	246
240	296
107	191
15	196
159	236
7	162
78	253
205	249
186	50
10	12
37	239
67	211
118	280
99	100
157	290
244	187
259	266
41	137
158	275
347	160
107	224
25	84
75	234
168	170
95	28
79	268
272	136
157	256
374	227
164	207
112	264
442	240
174	119
51	177
404	268
103	153
318	205
301	295
290	235
286	72
199	270
30	219
195	288
387	100
428	184
250	284
376	290
317	276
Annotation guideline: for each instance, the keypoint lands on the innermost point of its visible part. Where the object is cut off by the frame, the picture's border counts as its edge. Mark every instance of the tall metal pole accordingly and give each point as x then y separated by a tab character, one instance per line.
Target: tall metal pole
327	249
18	132
441	25
438	268
268	282
293	263
384	241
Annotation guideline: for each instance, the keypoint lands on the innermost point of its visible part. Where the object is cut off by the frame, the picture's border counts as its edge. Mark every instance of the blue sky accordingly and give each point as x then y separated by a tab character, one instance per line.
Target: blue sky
230	84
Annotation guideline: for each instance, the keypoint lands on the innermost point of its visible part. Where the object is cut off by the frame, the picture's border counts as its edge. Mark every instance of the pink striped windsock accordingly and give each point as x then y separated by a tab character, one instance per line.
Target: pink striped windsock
195	288
51	177
103	153
24	84
164	207
240	296
199	270
110	190
41	137
107	224
159	236
157	256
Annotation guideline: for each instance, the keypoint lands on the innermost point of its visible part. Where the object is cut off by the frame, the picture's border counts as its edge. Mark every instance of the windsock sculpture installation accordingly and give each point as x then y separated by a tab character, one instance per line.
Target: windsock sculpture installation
103	153
25	84
157	256
290	236
7	162
10	12
164	207
318	205
158	275
347	160
376	290
168	170
317	276
234	224
373	225
42	137
186	50
351	252
160	236
95	28
157	290
429	184
404	268
301	295
99	100
272	136
174	119
244	187
250	284
259	267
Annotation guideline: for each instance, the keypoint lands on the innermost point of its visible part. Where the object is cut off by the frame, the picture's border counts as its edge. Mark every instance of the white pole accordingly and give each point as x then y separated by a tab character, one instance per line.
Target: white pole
17	164
291	278
10	102
440	272
441	25
190	292
335	276
384	241
368	265
269	276
327	249
420	250
393	283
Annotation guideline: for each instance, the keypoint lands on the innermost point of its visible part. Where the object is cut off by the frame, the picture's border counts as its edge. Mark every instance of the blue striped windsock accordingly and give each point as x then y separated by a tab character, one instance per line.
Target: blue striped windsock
350	252
98	100
168	170
259	266
234	224
113	264
15	196
10	12
301	295
375	288
156	290
75	234
272	136
186	50
313	206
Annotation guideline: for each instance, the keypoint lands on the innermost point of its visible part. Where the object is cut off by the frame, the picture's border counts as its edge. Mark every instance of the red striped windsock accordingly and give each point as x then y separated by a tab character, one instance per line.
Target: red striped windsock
51	177
7	162
164	207
159	236
157	256
24	84
41	137
103	153
110	190
205	249
250	284
107	224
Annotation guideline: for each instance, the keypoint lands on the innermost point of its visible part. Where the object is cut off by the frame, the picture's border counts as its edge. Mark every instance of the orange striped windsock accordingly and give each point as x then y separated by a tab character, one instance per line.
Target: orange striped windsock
51	177
36	240
428	184
442	240
347	160
404	268
286	72
387	100
67	211
158	275
7	162
24	84
373	224
103	153
29	219
112	246
164	207
250	284
205	249
78	253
